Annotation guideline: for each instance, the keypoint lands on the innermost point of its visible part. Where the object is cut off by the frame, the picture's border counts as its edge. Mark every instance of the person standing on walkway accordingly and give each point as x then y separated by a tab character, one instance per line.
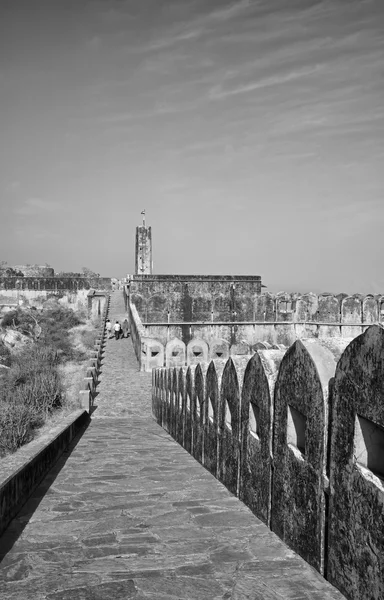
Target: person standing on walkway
125	328
108	327
117	330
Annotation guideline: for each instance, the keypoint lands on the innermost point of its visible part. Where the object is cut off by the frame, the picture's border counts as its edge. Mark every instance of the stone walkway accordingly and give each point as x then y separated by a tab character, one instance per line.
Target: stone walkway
127	513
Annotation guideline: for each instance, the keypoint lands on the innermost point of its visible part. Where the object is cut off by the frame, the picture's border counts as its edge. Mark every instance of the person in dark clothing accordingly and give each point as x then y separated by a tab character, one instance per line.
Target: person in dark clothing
125	328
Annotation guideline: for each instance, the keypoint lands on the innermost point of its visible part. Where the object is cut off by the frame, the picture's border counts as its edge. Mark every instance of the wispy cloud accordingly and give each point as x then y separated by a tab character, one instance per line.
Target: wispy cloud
34	206
218	92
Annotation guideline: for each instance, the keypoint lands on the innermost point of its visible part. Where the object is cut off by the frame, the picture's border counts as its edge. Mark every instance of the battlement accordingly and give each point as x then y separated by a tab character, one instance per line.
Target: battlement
298	436
54	283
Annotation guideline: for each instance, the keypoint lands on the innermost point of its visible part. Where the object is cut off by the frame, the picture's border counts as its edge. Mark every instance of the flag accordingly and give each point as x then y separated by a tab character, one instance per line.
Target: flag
143	212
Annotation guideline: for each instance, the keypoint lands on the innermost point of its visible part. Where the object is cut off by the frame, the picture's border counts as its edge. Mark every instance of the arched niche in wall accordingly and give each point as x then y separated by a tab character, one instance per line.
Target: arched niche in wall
152	354
370	309
197	351
256	431
301	412
357	469
218	348
175	353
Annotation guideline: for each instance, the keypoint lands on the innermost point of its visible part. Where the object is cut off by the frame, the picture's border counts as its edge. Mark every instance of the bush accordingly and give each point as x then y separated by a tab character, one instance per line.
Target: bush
5	355
89	338
17	424
32	387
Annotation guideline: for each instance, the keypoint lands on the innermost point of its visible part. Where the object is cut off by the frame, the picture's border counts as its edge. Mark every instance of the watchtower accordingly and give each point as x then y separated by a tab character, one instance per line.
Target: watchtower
143	252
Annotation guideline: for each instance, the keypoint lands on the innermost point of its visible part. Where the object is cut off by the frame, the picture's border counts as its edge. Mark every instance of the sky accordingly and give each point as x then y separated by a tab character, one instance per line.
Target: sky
250	131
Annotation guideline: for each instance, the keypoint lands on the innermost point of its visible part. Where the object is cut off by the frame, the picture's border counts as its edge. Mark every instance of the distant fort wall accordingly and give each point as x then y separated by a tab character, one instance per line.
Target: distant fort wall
298	436
34	291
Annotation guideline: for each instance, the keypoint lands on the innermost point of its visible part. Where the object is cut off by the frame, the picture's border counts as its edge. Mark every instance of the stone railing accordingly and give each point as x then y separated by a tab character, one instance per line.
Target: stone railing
91	380
298	436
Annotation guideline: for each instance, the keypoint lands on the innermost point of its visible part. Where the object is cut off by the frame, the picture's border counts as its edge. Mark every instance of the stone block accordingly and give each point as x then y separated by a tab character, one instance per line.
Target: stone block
300	449
181	405
229	425
173	399
85	398
152	354
211	414
190	403
198	412
256	431
356	508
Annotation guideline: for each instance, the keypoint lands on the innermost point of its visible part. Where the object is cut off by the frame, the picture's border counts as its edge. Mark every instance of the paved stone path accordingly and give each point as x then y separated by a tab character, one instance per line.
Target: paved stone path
127	513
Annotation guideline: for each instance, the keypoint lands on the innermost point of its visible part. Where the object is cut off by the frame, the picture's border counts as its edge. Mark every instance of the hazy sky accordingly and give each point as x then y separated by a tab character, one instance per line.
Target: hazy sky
251	131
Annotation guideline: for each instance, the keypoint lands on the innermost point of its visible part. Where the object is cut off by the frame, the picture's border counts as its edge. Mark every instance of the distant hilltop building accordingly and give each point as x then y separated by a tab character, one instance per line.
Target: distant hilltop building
27	271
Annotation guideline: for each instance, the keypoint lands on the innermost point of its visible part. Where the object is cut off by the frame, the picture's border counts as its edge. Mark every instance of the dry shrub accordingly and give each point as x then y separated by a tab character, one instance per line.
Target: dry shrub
17	424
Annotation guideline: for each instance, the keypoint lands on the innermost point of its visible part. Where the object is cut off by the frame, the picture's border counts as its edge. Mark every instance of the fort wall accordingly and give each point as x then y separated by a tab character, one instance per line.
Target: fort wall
34	291
278	321
299	437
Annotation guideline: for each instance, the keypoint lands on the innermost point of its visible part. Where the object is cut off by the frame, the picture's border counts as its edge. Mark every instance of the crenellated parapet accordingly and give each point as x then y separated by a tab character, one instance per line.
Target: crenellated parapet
275	321
54	284
298	436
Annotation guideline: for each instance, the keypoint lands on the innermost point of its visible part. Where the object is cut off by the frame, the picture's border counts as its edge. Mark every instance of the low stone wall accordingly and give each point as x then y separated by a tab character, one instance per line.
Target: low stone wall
21	473
298	436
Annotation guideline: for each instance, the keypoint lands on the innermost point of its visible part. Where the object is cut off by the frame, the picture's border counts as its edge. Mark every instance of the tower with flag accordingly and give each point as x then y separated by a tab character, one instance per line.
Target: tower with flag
143	253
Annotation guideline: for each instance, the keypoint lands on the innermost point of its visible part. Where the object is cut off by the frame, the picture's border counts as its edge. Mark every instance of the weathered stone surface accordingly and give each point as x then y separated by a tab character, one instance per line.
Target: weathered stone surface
127	513
218	348
256	431
175	353
351	312
211	414
370	309
197	351
181	405
198	412
356	527
299	447
152	353
229	423
189	407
